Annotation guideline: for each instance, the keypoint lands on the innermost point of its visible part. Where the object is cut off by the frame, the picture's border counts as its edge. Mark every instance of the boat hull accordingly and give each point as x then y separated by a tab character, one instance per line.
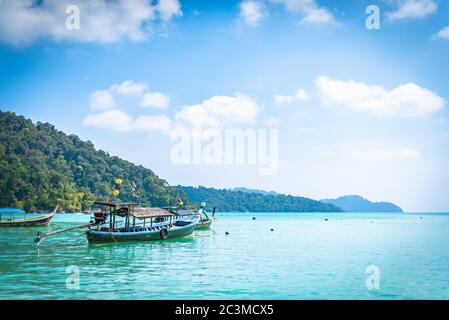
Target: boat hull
204	224
94	236
28	222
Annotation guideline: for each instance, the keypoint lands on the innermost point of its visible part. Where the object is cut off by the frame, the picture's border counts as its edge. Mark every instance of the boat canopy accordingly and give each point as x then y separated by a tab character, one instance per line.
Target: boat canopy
115	204
142	213
186	213
11	210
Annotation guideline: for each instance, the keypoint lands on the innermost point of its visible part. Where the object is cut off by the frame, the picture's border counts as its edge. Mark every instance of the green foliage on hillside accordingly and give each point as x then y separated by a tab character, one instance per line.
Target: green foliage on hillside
41	167
237	201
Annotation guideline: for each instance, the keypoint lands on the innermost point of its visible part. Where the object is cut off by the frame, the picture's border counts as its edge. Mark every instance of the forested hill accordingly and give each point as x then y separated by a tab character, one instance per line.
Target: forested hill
240	201
41	167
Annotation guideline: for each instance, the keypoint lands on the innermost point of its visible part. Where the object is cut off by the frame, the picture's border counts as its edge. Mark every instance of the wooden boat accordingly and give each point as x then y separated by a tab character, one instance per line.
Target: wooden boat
205	223
136	224
24	221
201	216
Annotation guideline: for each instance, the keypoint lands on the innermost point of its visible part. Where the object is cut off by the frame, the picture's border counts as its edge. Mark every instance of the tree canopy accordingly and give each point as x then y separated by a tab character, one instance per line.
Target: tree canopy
41	167
241	201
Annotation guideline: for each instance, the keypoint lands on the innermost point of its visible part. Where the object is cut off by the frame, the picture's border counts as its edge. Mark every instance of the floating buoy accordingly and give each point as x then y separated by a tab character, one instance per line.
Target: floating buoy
271	229
226	233
326	219
254	218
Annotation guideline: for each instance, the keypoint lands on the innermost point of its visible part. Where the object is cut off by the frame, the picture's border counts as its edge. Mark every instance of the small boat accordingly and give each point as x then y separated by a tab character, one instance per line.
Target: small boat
127	222
205	221
11	220
201	216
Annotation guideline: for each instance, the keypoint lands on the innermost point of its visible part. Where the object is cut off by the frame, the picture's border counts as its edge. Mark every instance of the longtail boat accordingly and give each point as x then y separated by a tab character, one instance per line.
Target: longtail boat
201	216
8	218
127	222
205	221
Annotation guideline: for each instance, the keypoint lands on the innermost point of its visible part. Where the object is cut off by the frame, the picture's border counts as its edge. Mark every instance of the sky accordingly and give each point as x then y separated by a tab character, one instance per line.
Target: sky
354	92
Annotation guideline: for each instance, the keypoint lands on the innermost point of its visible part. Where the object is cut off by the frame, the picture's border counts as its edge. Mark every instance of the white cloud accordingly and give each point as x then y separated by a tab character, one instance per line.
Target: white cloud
311	11
412	9
407	100
318	16
105	99
129	88
168	9
300	96
112	119
215	112
153	123
219	111
154	100
383	154
252	12
443	33
25	21
101	100
118	120
272	121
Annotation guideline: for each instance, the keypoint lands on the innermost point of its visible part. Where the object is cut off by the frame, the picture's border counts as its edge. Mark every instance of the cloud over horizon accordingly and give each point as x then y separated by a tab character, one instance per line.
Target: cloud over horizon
406	100
114	117
105	99
218	111
214	112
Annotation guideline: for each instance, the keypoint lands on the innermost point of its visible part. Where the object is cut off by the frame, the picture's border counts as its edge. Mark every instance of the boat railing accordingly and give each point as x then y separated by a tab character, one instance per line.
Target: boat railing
121	224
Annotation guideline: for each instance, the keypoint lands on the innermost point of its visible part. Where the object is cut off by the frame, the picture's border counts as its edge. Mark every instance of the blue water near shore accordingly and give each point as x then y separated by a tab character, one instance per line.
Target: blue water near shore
304	257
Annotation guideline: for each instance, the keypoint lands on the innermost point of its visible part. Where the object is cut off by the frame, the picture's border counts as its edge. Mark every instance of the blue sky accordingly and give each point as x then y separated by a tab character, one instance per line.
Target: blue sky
370	117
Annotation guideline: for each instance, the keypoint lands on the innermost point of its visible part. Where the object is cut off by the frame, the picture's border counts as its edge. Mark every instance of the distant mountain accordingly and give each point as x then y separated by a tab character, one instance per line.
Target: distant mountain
247	190
356	203
226	200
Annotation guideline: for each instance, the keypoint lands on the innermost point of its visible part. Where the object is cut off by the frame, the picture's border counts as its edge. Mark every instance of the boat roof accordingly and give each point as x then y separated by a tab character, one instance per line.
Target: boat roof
142	213
186	212
11	210
115	204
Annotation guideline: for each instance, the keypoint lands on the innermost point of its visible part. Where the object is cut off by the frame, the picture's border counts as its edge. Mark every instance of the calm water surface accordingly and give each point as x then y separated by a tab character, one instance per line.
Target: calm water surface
304	257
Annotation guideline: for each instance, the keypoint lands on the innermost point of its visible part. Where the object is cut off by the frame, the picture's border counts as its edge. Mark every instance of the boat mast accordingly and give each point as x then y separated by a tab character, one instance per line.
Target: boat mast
110	218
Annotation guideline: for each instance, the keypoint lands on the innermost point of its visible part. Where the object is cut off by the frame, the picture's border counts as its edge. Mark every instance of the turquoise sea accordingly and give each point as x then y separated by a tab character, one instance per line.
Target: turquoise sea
304	257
